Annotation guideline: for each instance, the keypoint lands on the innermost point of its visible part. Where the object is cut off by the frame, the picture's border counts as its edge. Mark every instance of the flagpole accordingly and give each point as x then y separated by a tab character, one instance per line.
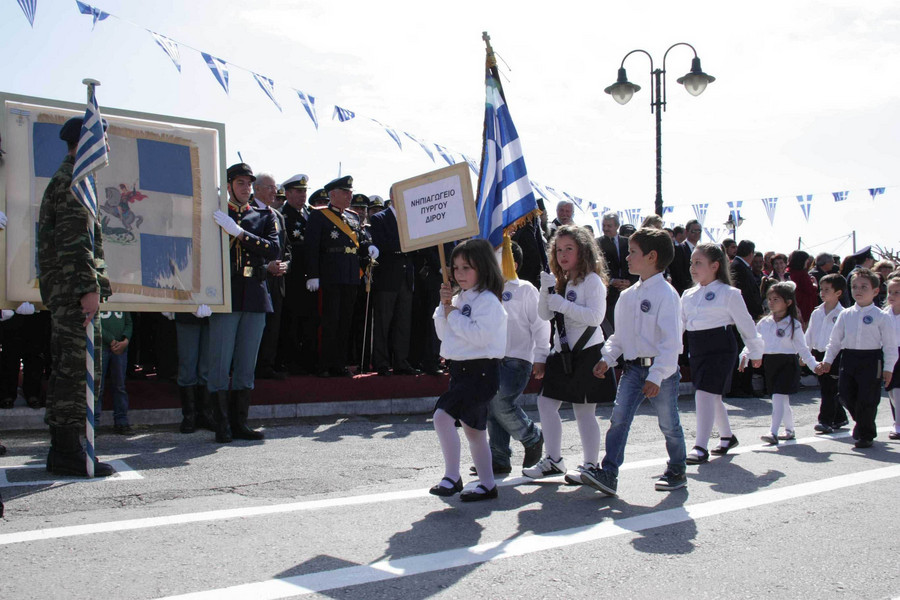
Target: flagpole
90	384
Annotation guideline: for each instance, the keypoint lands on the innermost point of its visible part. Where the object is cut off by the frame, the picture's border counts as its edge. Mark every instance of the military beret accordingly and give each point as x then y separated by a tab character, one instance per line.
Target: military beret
297	182
71	129
360	200
240	169
376	201
341	183
318	197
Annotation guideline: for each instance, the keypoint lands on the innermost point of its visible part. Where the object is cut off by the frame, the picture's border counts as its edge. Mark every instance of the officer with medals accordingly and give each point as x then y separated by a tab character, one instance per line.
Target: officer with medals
360	327
300	317
235	336
332	253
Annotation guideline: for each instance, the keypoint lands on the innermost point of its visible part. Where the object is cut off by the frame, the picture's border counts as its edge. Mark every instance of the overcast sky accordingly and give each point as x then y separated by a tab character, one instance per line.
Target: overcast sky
806	99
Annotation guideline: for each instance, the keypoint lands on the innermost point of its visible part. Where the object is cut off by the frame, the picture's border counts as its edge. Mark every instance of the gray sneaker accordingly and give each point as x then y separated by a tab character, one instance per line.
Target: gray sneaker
574	477
669	481
600	480
546	467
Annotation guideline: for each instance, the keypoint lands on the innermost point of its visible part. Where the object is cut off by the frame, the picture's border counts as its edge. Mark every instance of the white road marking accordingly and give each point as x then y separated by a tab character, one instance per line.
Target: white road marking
305	505
123	473
527	544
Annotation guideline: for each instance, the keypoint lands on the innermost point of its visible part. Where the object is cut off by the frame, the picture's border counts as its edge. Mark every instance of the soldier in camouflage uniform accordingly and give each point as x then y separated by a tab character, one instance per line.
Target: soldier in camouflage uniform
72	282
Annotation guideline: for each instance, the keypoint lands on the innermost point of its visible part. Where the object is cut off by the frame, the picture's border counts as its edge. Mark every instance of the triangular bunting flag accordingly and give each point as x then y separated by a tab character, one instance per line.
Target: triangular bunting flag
342	114
445	154
770	203
424	147
875	191
472	164
309	103
268	86
219	69
734	209
29	7
96	13
170	47
700	212
805	205
390	132
840	196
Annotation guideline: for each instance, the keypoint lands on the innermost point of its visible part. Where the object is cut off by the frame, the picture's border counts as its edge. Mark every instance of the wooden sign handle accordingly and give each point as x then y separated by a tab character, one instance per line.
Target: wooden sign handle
443	259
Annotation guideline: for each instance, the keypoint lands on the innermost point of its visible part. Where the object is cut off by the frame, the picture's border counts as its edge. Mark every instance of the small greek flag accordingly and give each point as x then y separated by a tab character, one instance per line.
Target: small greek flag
342	114
805	205
840	196
170	47
390	132
87	9
472	164
770	203
268	86
633	215
419	142
219	69
445	154
90	156
29	7
875	191
734	208
700	212
592	206
309	103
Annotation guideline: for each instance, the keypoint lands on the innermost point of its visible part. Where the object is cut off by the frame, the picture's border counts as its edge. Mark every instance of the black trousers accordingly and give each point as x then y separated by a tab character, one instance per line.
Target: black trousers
830	410
26	338
392	322
268	347
338	301
859	386
425	347
298	341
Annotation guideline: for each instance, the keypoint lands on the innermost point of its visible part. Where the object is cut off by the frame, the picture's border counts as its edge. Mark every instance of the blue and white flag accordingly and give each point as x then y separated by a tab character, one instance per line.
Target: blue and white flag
734	209
770	203
505	198
445	154
309	103
553	191
96	13
268	86
805	205
592	206
667	210
170	47
472	164
875	191
390	132
342	114
840	196
575	200
633	215
29	7
700	212
420	143
90	156
219	69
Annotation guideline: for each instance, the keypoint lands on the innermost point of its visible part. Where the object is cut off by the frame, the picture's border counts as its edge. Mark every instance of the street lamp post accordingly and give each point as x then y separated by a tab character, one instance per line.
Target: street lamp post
622	91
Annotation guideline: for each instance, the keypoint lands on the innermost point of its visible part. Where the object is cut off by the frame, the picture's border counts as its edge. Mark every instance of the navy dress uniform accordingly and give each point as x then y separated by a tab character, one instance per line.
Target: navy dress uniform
235	336
266	362
333	249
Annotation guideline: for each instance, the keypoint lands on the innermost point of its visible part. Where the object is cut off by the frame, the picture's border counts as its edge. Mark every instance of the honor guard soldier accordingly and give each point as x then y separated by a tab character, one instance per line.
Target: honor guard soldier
300	317
72	281
333	250
235	336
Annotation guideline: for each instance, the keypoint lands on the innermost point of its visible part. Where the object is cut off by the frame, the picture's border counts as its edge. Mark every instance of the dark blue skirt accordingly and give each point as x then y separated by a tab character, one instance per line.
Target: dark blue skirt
473	383
713	357
782	373
894	378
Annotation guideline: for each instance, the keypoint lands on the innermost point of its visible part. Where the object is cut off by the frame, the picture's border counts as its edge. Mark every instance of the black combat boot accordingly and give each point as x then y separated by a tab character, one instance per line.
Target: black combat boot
67	455
188	409
240	409
203	408
223	419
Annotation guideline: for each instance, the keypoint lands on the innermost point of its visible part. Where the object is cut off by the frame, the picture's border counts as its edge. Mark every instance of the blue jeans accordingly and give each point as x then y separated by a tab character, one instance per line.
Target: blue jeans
628	398
193	352
506	418
114	366
234	342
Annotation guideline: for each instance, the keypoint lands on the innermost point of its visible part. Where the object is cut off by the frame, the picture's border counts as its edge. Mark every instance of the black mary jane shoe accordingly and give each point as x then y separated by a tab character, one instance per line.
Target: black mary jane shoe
446	492
732	442
485	494
698	460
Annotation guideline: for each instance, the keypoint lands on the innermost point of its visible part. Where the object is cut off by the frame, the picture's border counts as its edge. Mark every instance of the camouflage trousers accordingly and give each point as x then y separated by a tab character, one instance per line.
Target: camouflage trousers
66	392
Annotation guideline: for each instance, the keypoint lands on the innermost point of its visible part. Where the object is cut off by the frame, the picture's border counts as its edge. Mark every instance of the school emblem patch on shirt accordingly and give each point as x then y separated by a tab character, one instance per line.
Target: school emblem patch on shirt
507	296
571	295
868	319
710	296
645	306
780	332
466	310
834	319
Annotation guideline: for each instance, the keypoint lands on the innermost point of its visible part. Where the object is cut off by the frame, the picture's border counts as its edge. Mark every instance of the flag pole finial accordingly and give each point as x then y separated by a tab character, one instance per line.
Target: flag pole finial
91	84
491	59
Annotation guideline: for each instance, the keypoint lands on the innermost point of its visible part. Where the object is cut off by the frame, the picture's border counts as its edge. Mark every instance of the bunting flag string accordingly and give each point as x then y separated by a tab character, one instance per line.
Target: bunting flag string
875	191
805	205
219	69
96	13
268	86
29	7
309	103
840	196
770	203
390	132
170	47
424	147
342	114
445	154
700	212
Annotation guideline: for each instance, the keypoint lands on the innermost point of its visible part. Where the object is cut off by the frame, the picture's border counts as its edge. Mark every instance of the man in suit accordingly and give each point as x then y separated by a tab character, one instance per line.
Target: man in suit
742	278
615	251
680	269
392	286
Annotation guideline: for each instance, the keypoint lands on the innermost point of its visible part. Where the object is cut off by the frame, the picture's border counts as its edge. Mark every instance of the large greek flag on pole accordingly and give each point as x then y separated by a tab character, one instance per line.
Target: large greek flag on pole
505	196
90	156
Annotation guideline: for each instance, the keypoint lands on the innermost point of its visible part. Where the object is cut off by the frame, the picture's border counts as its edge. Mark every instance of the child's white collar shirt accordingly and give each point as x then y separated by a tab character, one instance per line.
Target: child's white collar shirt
719	305
896	318
866	328
527	335
821	323
583	306
648	324
476	330
779	339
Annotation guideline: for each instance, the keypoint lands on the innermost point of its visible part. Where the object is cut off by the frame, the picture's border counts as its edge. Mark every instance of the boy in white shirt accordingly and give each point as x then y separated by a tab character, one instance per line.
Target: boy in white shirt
832	288
648	337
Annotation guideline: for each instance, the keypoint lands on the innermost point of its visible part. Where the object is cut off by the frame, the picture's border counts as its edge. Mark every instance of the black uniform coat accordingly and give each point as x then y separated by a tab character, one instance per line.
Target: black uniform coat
394	266
330	254
248	258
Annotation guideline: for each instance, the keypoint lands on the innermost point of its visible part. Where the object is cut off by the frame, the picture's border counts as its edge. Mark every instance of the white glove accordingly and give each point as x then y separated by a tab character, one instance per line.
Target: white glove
6	314
3	220
203	311
548	281
373	252
169	316
227	223
312	284
556	303
26	308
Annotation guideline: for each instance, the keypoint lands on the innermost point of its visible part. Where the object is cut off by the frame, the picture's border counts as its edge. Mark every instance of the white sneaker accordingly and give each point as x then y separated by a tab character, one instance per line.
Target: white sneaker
574	477
546	467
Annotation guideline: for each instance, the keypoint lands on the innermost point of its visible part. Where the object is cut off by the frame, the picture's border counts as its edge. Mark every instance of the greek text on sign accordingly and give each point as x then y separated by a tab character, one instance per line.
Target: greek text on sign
434	207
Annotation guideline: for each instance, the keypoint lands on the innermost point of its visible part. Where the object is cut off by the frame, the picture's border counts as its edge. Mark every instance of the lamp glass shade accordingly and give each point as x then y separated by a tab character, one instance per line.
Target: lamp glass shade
694	83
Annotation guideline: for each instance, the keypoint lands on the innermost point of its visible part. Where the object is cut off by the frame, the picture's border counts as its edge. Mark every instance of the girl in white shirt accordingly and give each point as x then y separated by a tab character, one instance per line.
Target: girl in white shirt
472	330
892	307
782	332
579	278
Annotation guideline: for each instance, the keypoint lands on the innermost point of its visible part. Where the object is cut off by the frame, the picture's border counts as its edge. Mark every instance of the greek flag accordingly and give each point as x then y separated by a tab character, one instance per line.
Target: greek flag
309	103
420	143
170	47
472	164
342	114
734	209
90	156
633	215
770	203
29	7
390	132
268	86
805	205
219	69
875	191
445	154
700	211
96	13
840	196
505	197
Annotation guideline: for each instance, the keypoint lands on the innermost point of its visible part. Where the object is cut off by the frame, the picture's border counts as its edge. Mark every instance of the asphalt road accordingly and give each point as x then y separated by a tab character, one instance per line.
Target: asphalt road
338	508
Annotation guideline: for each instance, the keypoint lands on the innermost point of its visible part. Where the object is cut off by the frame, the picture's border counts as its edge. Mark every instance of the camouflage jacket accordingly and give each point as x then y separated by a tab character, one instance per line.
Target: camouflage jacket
68	266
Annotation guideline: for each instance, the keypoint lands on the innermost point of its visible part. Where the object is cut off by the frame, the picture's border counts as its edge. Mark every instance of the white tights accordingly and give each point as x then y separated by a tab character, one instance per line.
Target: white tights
445	427
894	396
781	409
588	428
710	409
